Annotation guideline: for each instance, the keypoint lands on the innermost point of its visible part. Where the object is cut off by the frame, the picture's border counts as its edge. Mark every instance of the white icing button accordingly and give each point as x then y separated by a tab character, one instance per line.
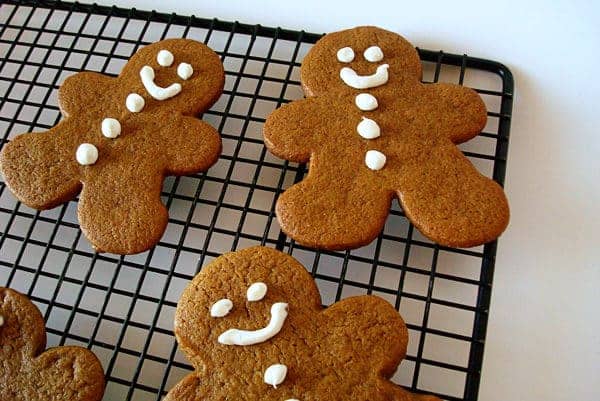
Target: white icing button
185	71
165	58
352	79
373	54
221	308
256	292
368	128
345	54
157	92
86	154
275	374
1	320
111	128
375	160
366	102
251	337
134	102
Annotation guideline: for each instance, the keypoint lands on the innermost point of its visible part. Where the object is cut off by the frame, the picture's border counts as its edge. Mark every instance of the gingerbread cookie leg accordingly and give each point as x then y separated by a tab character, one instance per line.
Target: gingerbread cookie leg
455	205
338	198
123	215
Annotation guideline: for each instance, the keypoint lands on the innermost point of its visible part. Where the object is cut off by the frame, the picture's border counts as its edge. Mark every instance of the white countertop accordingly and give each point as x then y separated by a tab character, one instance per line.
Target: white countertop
543	339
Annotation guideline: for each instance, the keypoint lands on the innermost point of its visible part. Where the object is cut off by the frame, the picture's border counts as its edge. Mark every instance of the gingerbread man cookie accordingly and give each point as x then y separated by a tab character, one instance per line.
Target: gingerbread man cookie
120	137
252	325
371	132
27	372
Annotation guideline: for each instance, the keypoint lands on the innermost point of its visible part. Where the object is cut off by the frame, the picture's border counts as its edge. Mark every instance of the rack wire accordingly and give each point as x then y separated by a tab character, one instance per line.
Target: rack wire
122	307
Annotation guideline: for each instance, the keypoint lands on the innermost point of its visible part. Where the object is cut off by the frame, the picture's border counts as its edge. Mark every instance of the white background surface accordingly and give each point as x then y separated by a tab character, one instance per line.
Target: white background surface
543	338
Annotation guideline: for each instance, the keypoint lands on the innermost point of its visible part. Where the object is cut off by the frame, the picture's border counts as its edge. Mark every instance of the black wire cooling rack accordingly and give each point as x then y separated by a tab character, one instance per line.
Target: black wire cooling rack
122	307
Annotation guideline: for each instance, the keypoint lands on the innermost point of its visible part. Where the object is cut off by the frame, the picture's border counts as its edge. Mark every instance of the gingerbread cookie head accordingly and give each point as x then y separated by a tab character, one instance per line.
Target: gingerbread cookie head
252	324
119	139
183	71
360	58
30	374
371	132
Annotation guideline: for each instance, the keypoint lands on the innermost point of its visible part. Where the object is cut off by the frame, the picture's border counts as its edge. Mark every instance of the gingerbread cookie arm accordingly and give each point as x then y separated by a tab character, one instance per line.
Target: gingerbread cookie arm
123	215
334	207
383	335
292	132
40	168
75	371
29	373
84	91
451	202
457	112
192	145
23	327
188	389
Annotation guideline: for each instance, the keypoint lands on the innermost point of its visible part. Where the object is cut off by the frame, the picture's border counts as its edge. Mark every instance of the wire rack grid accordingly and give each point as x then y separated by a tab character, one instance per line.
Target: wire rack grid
122	307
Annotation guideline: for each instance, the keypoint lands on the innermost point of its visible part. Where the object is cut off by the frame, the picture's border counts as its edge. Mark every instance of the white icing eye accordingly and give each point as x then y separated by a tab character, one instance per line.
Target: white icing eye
221	308
184	70
345	54
373	54
275	374
256	292
111	128
134	103
165	58
86	154
375	160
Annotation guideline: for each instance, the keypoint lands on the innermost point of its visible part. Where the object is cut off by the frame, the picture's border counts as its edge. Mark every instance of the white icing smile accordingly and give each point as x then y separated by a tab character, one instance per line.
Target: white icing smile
250	337
157	92
352	79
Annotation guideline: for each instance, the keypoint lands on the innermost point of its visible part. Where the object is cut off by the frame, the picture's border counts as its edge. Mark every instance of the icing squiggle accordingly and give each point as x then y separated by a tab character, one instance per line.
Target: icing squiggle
157	92
352	79
249	337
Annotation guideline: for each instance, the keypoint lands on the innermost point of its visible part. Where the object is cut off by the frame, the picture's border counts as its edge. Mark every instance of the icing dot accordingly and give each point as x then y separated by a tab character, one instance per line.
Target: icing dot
185	70
134	102
256	291
366	102
292	399
373	54
1	320
86	154
375	160
221	308
165	58
345	54
275	374
111	128
368	128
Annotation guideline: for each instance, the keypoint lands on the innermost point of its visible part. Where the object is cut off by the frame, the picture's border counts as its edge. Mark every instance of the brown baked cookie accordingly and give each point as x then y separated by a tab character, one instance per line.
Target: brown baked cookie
252	324
371	132
27	372
120	137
